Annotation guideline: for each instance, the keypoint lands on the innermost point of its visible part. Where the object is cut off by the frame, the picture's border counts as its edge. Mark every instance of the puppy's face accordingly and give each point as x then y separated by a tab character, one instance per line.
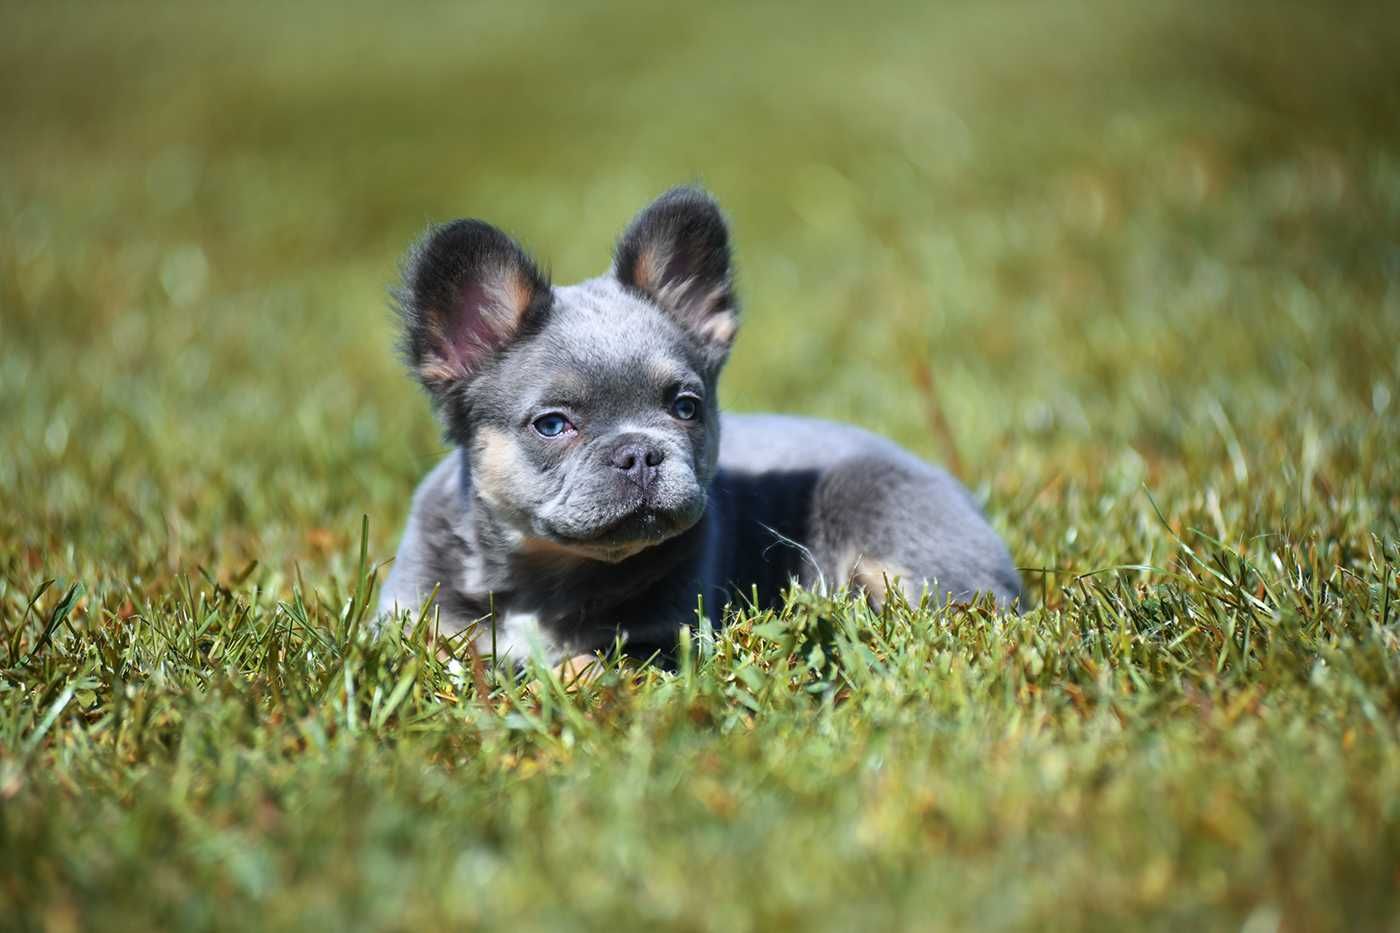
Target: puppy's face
598	434
587	412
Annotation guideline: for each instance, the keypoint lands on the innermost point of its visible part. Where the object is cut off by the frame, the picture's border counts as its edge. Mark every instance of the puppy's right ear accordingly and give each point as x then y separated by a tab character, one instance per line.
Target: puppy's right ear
676	252
468	291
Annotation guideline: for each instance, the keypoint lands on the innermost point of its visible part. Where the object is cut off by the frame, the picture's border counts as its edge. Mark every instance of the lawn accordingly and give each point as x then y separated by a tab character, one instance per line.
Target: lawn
1131	270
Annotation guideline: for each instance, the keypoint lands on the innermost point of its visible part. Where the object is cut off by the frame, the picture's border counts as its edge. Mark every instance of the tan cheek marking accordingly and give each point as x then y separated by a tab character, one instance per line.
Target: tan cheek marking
871	576
497	463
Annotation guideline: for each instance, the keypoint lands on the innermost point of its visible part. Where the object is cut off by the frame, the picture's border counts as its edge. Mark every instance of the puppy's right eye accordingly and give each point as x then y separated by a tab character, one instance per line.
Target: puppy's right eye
552	425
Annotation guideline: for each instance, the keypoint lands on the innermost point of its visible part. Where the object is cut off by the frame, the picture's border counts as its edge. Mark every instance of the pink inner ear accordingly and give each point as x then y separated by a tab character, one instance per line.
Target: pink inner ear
679	268
473	331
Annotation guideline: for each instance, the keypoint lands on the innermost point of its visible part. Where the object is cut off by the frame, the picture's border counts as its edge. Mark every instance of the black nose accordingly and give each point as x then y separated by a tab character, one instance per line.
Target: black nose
638	460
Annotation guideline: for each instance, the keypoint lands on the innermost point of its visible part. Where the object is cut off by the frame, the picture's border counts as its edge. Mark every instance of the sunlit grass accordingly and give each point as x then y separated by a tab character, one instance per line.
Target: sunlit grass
1133	271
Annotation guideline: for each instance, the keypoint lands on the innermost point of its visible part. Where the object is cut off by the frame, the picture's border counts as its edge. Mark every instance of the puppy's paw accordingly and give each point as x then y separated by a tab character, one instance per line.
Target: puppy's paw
572	673
580	669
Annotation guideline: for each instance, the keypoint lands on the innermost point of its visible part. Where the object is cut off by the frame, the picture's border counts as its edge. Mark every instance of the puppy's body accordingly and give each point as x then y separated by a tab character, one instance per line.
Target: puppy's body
794	499
597	492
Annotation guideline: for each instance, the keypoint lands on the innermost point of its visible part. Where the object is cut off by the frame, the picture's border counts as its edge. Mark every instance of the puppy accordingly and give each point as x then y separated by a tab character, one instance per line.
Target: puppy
596	491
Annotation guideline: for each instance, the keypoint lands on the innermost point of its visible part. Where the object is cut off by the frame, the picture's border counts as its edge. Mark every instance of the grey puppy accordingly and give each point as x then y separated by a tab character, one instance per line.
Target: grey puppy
596	491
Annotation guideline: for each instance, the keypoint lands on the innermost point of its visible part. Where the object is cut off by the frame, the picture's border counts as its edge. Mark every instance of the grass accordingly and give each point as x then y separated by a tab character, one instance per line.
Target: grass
1134	270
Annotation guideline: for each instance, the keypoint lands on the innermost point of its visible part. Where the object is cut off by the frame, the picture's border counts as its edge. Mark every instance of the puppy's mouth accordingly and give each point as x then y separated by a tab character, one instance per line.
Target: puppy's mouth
628	533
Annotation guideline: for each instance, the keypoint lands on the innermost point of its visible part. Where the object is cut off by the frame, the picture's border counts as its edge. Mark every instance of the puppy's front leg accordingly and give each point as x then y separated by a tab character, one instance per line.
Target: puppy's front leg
580	669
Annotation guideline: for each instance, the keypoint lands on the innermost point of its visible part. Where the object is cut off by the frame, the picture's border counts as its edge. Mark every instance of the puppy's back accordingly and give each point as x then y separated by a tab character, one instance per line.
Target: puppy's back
873	507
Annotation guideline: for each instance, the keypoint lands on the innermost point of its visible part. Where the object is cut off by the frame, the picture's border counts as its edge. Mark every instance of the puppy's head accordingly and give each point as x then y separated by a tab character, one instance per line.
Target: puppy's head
587	412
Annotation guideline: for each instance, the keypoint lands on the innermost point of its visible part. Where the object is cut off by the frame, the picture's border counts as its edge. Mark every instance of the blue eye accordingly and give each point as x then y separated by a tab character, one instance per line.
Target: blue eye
686	407
552	425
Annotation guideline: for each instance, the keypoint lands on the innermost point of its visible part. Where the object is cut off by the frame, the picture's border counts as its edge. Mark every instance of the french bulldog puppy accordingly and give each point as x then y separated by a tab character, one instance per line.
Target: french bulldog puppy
595	489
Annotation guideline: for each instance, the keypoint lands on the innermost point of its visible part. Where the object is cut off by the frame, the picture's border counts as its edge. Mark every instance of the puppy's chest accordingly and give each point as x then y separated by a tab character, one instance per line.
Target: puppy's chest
750	543
555	616
522	628
520	634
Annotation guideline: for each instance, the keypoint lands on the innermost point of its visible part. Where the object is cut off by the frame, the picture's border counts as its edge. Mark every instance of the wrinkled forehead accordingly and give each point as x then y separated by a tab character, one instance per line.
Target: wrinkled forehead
600	323
600	341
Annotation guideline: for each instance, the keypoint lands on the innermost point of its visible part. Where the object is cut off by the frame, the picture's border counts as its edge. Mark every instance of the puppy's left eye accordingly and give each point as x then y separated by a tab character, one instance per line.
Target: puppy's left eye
551	425
686	407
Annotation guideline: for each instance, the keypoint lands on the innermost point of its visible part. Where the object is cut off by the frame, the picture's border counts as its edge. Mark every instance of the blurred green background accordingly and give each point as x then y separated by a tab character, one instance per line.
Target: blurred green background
1106	230
1131	269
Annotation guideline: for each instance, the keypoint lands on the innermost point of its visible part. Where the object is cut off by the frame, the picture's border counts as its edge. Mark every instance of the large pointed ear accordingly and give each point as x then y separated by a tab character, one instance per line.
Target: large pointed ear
468	291
676	252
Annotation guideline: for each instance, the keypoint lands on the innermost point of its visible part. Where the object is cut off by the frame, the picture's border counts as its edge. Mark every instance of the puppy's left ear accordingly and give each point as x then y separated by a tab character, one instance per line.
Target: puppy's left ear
676	252
469	292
